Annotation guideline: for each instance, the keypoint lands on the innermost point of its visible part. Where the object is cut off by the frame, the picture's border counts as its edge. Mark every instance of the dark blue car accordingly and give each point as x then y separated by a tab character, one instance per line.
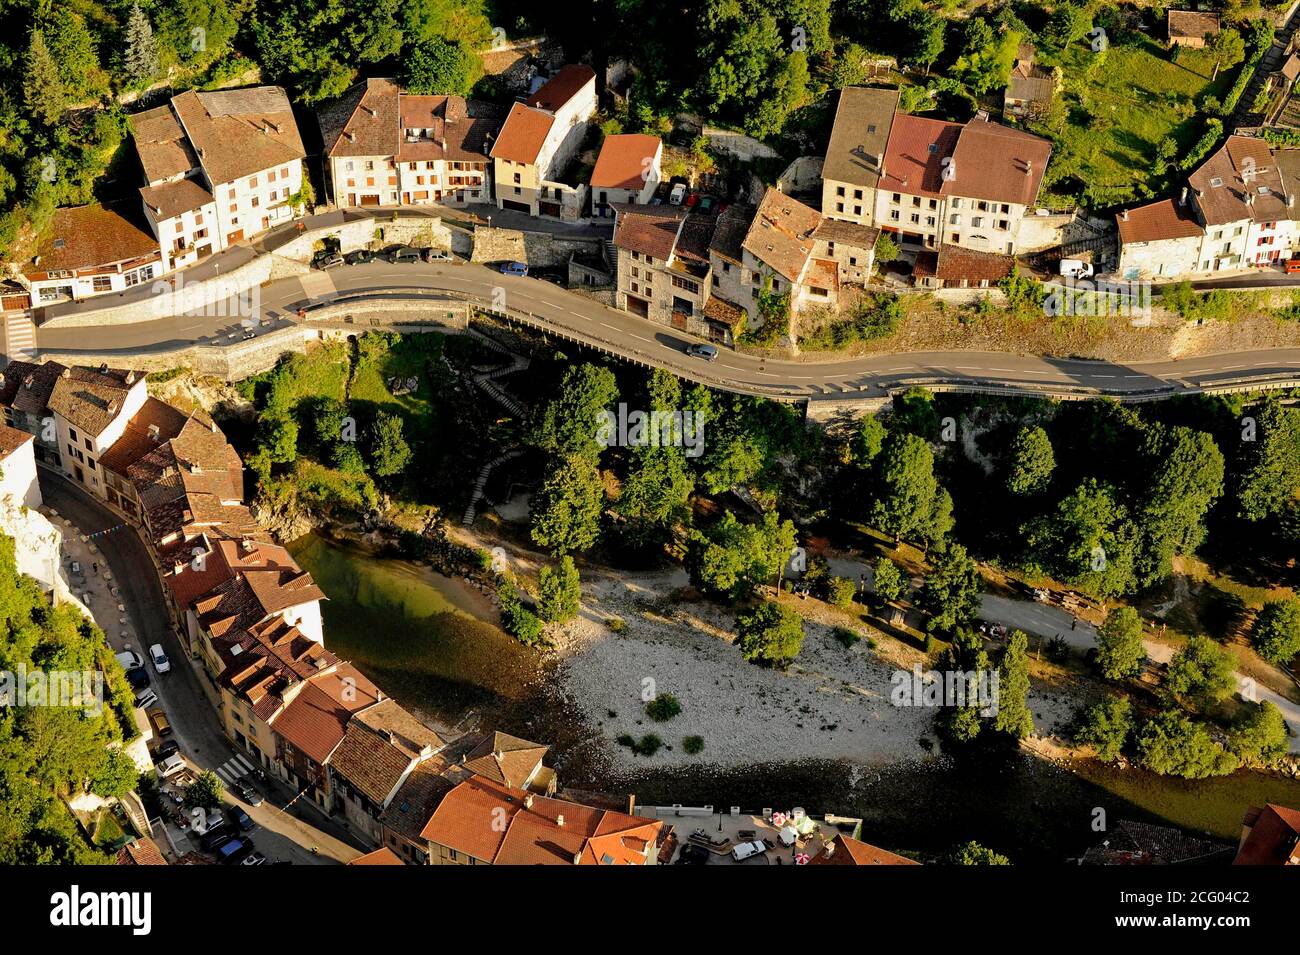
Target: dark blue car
513	268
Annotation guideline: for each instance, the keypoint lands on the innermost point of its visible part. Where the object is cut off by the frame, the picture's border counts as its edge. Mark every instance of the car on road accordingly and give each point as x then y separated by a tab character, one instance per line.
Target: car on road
146	698
158	720
404	254
169	748
159	658
701	350
247	793
1292	265
359	257
513	268
239	818
234	852
254	858
138	678
437	255
215	836
169	766
747	850
326	260
130	660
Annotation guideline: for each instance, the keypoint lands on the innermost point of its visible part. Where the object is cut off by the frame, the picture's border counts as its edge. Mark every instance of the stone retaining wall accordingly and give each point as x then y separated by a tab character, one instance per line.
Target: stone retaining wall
422	231
538	249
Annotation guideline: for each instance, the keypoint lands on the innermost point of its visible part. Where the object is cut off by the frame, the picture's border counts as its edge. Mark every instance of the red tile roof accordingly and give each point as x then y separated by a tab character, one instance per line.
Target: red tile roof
914	156
317	719
1239	181
505	759
11	439
381	856
173	198
650	230
562	87
843	850
624	161
87	236
997	163
363	121
781	234
1274	837
91	398
523	134
26	387
239	132
1155	221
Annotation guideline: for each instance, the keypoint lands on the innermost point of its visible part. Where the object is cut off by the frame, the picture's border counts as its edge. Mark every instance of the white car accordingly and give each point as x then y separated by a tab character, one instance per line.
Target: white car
130	660
677	195
160	661
146	698
747	850
170	766
1076	269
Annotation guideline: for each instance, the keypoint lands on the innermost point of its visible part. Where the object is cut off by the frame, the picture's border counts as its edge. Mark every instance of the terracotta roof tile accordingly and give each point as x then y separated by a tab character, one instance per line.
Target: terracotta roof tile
781	235
1155	221
381	856
173	198
90	398
562	87
523	134
1240	181
863	119
160	142
624	161
1191	24
650	230
237	133
87	236
11	439
26	387
1274	837
844	850
505	759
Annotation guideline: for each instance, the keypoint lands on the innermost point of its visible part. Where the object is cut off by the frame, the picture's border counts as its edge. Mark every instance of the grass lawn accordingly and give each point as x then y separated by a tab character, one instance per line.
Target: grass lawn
1121	106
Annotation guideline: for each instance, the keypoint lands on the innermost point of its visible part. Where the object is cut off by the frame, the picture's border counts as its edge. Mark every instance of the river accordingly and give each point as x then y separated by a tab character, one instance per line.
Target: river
433	644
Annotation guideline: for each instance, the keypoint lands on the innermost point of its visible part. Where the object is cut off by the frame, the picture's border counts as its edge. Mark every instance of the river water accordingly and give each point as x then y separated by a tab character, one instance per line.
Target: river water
432	643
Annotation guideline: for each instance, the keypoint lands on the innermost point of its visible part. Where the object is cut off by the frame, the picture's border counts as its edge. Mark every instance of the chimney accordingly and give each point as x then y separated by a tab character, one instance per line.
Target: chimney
1124	215
66	373
351	136
154	433
370	110
177	567
830	848
130	377
528	801
1290	204
103	368
559	820
1029	167
1182	199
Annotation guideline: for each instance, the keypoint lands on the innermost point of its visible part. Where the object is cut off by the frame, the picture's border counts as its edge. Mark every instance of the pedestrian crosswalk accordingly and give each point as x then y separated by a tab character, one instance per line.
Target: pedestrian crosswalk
234	768
20	337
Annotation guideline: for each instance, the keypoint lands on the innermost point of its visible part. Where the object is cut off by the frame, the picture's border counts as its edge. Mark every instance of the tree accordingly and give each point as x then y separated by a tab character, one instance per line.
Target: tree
867	440
1172	744
1270	473
972	853
572	420
559	591
950	593
909	493
328	417
1260	737
1201	674
887	249
1107	727
116	777
516	619
566	510
1276	632
1185	470
1068	24
141	56
278	435
1120	650
44	92
840	591
926	33
769	634
1032	462
1088	541
888	580
389	452
1013	714
1228	49
205	792
440	67
732	559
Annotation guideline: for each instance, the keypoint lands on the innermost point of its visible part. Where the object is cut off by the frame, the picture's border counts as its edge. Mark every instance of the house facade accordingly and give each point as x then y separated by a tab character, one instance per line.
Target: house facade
93	250
387	147
537	142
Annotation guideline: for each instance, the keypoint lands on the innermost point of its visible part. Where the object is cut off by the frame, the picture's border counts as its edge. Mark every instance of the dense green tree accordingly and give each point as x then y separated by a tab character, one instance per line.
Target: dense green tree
516	619
559	591
141	54
769	634
840	591
909	498
1087	541
1032	462
732	559
1183	478
439	66
889	582
1107	727
1202	673
986	60
566	509
1270	470
1228	49
571	421
1259	736
1276	632
205	792
388	451
972	853
1069	23
1172	744
1120	650
43	90
1013	688
278	435
950	594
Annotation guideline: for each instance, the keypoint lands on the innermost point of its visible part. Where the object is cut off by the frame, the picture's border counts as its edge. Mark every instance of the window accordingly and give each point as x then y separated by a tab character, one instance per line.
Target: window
839	207
956	203
284	172
894	215
955	237
897	198
857	193
1005	209
252	182
102	283
687	284
929	220
839	190
857	210
231	194
256	202
954	219
72	433
370	165
198	218
234	207
916	218
916	202
89	446
517	179
1004	224
976	221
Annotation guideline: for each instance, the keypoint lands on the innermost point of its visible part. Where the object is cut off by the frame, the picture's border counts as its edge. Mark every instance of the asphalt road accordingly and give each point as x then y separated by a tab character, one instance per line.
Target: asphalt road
574	315
281	835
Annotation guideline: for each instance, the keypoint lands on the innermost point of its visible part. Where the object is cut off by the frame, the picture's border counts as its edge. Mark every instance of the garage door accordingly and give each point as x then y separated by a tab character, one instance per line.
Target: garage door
549	209
516	206
234	236
638	306
370	200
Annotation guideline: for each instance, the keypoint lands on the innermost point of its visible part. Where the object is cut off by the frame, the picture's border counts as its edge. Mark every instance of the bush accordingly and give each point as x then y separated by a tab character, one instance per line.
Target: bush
1107	726
559	592
840	591
846	636
517	620
663	707
693	745
1276	632
616	624
770	634
648	745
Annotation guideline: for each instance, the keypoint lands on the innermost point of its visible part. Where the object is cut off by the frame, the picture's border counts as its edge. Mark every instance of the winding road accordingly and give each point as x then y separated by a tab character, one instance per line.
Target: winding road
578	317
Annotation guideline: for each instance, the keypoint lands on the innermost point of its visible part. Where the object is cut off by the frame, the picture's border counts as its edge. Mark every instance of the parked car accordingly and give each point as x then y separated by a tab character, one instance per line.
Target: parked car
513	268
692	854
247	793
239	818
359	257
254	858
138	678
158	720
234	852
1292	265
1076	269
404	254
146	698
217	835
700	350
437	255
169	748
326	260
159	658
677	194
705	204
169	766
747	850
130	660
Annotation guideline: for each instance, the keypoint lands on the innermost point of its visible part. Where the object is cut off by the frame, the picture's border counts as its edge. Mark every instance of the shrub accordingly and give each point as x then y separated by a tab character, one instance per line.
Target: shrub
616	624
840	591
663	707
648	745
693	745
846	636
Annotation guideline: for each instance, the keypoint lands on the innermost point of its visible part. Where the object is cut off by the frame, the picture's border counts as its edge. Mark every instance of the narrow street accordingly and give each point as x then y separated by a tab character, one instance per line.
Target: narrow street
280	835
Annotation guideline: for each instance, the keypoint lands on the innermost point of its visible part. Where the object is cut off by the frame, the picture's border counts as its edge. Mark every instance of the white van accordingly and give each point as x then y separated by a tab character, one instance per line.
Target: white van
1076	269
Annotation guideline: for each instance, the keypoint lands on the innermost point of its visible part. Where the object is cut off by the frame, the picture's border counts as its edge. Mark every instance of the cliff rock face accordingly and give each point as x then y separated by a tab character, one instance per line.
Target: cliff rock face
285	520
